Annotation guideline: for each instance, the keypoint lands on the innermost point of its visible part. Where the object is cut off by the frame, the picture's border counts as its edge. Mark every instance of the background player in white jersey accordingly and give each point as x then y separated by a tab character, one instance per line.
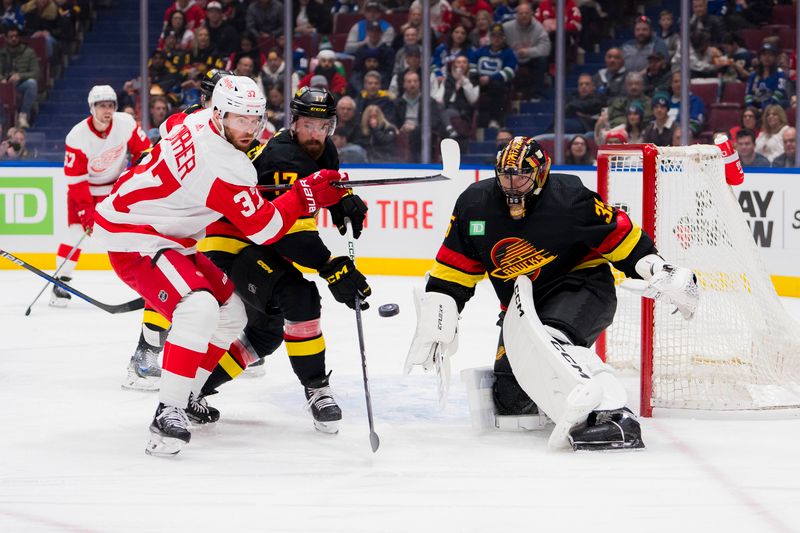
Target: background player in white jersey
545	241
158	211
97	151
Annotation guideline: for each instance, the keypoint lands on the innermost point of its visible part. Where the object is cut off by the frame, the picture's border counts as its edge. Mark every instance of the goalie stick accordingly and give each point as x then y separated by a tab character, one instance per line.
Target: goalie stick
451	158
133	305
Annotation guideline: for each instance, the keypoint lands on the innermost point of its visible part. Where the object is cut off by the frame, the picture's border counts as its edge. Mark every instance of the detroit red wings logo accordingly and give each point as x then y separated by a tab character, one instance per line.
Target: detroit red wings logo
101	163
517	257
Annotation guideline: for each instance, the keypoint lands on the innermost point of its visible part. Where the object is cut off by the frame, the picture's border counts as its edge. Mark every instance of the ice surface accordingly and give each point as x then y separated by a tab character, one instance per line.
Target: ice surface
72	442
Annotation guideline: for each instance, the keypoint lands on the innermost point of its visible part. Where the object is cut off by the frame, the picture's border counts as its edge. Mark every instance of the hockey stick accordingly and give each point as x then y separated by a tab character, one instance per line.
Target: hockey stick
133	305
55	274
451	159
374	441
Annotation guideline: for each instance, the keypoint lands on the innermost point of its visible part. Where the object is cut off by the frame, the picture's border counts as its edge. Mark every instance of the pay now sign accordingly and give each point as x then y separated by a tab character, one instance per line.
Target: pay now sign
26	206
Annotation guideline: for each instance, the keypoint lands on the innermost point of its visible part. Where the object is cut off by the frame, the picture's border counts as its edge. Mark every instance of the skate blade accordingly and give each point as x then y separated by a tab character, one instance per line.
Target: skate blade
161	446
58	302
256	372
141	384
330	428
607	446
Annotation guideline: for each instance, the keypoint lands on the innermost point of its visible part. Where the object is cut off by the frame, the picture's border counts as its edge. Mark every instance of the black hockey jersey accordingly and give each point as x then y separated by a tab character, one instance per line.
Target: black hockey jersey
568	228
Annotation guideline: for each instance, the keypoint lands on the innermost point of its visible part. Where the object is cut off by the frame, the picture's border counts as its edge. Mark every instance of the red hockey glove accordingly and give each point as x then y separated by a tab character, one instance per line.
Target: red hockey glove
81	198
315	191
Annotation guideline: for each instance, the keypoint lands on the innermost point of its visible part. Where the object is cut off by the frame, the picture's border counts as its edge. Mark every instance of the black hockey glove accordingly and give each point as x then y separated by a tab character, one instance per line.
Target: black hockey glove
345	281
352	207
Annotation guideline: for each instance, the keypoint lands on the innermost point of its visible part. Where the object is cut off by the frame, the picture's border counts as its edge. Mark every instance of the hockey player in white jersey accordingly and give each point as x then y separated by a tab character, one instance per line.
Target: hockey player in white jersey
158	211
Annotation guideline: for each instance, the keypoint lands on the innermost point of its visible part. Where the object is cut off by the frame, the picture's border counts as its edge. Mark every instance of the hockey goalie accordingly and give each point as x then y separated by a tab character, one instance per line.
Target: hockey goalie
546	243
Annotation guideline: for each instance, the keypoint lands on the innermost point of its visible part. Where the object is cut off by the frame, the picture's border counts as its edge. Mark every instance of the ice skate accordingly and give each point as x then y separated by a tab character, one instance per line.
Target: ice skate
59	297
255	369
144	372
169	431
608	430
323	407
199	412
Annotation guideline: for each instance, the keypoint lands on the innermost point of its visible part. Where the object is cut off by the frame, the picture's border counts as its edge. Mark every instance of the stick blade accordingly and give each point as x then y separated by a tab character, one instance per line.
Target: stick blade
374	441
451	156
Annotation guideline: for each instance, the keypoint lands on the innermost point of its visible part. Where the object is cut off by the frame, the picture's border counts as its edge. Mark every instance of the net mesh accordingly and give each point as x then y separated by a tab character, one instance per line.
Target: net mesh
741	351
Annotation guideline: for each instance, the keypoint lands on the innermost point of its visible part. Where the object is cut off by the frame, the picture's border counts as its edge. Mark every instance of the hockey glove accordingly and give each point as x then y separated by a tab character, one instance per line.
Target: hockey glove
345	282
676	286
437	329
351	207
80	198
315	190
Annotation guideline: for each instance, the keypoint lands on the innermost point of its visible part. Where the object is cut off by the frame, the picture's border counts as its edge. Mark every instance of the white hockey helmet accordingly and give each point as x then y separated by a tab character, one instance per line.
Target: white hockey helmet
101	93
238	94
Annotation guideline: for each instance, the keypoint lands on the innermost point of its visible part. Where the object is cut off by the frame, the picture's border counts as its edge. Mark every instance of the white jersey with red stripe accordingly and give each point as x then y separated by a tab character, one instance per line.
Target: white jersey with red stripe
100	157
189	180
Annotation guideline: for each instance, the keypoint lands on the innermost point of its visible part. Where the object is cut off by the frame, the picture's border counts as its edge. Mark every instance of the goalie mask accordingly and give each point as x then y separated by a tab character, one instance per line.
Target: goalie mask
521	172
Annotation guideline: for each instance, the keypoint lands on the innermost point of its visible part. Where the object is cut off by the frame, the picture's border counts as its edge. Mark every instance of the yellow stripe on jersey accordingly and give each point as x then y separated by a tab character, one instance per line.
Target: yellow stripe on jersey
305	348
155	318
303	224
229	365
590	264
447	273
222	244
625	248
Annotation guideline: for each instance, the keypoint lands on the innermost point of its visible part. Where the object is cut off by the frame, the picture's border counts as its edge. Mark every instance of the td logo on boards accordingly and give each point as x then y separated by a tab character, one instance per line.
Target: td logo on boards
26	206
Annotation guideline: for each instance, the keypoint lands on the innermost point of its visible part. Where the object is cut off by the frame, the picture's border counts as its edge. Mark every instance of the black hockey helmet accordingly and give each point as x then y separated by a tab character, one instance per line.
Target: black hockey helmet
313	102
209	81
521	172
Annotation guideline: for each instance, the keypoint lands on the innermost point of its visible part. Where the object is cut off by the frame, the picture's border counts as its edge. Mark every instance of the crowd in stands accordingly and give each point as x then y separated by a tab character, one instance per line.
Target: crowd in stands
489	57
38	37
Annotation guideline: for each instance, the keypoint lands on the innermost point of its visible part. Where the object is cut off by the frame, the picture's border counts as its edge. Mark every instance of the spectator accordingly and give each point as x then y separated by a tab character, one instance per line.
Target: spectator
787	158
705	61
163	76
479	36
11	16
749	120
172	55
159	111
326	67
410	38
676	136
223	35
203	56
458	97
274	72
741	60
130	110
248	46
346	119
192	10
348	152
616	136
657	76
177	24
666	32
372	94
20	66
41	20
408	115
769	142
190	89
376	135
275	114
546	14
358	34
767	84
311	17
703	21
634	88
583	108
456	45
265	18
495	66
465	11
659	131
578	152
244	67
414	21
531	45
441	15
235	12
372	55
413	60
633	127
697	109
644	43
503	137
15	145
610	81
746	146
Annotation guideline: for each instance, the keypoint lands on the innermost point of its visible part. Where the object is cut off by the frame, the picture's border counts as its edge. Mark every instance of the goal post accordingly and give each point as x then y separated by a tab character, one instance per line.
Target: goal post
741	352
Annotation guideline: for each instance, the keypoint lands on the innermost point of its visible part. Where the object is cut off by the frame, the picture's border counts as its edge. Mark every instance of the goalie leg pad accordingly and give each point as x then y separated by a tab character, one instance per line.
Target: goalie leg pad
480	384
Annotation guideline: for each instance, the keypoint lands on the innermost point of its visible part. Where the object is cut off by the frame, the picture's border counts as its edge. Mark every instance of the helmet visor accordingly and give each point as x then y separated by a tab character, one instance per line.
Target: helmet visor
311	125
250	124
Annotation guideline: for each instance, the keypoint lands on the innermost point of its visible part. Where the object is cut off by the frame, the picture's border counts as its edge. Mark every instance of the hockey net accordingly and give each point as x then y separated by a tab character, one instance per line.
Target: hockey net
742	350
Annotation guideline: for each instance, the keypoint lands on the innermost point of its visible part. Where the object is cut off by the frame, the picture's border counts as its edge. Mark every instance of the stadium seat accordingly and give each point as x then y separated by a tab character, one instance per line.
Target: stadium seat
733	92
787	37
783	14
707	92
396	19
723	117
8	99
266	43
338	40
307	43
754	37
342	22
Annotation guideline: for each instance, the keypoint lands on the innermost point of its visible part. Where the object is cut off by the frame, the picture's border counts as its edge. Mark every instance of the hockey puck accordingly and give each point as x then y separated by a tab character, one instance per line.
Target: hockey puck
388	310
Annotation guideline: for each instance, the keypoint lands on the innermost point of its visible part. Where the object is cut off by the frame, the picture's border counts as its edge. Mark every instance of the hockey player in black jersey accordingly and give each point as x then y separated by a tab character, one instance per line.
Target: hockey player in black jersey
546	243
283	306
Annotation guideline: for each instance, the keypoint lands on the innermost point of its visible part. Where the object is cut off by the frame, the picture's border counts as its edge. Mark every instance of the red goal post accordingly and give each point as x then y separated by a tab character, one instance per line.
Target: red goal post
741	352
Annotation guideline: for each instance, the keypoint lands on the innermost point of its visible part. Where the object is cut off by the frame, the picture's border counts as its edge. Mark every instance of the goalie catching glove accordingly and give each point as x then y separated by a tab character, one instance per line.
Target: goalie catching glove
437	328
669	283
345	282
351	207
